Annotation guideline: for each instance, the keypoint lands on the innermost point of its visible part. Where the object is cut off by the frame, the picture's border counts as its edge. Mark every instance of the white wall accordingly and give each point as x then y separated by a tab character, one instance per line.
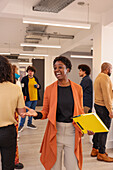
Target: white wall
74	74
107	45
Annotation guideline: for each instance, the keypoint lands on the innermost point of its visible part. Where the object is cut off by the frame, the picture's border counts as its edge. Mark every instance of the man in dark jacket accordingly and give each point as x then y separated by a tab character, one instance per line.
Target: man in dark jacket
30	88
87	86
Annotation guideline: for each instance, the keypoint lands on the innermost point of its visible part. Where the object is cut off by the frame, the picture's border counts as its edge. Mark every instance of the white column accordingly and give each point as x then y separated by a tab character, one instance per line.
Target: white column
48	71
97	38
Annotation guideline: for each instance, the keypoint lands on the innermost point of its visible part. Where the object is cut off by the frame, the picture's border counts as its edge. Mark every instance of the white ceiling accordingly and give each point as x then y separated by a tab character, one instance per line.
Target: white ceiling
13	31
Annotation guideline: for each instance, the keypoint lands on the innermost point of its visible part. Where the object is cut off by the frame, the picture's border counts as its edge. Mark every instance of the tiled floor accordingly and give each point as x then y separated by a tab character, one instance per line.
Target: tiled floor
29	146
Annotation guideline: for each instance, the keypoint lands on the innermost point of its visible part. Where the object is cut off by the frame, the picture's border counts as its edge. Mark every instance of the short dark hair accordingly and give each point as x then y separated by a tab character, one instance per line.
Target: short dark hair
64	60
5	70
32	68
85	68
105	66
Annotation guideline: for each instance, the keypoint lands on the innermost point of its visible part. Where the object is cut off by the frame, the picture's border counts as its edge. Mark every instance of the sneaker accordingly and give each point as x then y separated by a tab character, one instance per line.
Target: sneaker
19	166
20	128
31	126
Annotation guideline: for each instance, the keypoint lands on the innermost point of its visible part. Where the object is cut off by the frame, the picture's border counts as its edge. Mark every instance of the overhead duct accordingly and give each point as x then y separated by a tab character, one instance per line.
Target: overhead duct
28	48
41	28
26	60
34	34
52	5
14	57
31	40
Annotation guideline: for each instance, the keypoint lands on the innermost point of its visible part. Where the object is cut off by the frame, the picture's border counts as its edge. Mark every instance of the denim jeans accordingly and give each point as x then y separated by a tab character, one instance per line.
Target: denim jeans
32	105
99	139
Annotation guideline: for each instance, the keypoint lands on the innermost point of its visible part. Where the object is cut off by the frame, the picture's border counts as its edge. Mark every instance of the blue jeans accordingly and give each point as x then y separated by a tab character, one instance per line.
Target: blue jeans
32	105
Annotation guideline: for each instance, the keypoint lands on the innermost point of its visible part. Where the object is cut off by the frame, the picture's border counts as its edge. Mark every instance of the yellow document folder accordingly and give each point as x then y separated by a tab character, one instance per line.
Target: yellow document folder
90	121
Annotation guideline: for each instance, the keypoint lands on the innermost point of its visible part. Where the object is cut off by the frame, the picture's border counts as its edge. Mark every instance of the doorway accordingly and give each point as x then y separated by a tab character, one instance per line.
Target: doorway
39	65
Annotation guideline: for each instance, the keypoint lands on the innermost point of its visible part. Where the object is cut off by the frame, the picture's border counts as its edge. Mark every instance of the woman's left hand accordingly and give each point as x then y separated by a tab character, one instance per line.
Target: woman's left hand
90	132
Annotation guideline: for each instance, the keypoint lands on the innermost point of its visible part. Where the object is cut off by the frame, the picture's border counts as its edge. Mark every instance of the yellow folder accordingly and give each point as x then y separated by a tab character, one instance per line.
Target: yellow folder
90	121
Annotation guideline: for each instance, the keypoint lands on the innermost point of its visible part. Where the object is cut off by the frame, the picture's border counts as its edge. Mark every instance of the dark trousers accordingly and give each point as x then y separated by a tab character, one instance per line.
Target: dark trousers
99	139
8	146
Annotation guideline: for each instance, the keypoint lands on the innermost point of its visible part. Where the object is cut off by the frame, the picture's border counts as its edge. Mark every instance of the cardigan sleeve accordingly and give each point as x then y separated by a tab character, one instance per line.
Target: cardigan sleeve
81	99
45	109
39	116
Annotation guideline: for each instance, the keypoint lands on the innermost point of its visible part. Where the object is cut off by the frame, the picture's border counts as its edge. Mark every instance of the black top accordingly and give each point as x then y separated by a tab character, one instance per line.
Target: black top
87	87
65	104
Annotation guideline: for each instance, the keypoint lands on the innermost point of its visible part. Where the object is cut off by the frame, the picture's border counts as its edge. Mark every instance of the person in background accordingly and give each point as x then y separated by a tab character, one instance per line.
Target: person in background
103	107
87	86
63	99
18	165
11	99
30	88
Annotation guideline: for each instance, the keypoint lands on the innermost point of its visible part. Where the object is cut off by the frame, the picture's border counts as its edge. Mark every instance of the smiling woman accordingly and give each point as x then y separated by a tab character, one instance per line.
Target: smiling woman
62	100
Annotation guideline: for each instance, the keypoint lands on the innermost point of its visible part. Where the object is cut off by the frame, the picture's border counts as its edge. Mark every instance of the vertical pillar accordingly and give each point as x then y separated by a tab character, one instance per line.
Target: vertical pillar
97	37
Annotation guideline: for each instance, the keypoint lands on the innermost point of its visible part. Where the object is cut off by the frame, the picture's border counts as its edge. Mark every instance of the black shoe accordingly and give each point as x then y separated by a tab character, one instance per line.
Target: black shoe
19	166
31	126
20	128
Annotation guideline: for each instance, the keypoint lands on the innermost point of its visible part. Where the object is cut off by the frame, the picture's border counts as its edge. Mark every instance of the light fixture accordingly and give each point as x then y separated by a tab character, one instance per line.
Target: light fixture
36	55
79	56
5	53
39	45
24	63
57	23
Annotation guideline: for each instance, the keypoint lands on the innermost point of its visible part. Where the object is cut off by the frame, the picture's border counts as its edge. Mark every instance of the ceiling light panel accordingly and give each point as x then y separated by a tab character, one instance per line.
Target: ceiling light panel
52	5
36	55
56	23
79	56
39	45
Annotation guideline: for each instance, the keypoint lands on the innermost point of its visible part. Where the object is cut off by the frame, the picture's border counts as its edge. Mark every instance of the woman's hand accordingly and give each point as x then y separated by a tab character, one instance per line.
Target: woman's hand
90	132
30	112
21	112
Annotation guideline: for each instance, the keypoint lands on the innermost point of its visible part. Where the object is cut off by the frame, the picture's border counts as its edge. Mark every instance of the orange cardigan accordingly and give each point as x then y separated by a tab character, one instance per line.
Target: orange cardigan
49	144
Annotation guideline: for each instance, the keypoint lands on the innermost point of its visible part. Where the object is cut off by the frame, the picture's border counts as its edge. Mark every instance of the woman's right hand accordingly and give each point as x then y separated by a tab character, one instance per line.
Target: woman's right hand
30	112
